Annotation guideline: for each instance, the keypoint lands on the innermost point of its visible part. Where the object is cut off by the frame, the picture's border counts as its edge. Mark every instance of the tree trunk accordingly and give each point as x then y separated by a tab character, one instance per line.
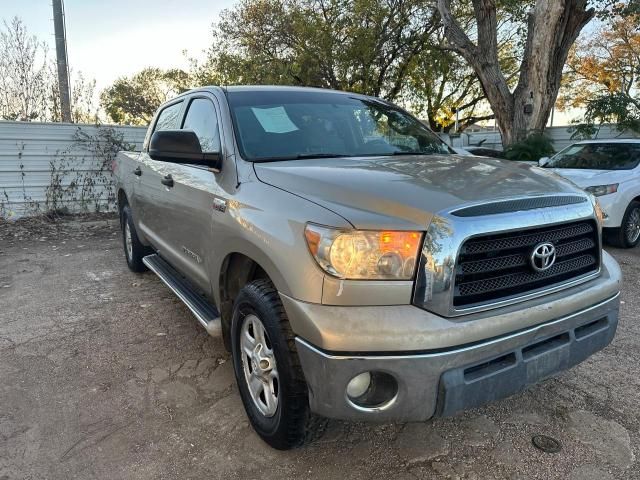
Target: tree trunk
553	27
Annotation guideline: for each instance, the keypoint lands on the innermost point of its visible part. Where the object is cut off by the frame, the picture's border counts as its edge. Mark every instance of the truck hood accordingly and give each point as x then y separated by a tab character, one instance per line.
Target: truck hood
404	192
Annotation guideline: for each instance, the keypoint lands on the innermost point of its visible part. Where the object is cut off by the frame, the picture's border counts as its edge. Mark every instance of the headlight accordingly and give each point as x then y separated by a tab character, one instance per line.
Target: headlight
599	190
364	254
601	215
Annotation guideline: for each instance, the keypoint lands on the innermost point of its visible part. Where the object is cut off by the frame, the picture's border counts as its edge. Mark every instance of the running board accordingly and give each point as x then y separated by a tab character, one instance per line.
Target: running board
205	312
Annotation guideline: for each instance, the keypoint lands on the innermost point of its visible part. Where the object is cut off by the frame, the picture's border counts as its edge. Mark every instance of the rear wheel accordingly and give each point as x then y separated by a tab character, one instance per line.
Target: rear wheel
134	251
267	369
628	235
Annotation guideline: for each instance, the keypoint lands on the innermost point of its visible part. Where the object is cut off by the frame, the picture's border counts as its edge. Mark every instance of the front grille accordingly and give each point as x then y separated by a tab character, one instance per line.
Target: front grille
496	267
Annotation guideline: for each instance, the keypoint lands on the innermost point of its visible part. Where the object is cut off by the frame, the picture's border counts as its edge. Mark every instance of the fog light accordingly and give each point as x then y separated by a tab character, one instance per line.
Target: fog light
373	390
359	385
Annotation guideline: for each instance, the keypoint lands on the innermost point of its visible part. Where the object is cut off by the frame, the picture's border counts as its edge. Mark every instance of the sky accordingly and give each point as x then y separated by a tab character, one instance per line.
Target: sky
108	39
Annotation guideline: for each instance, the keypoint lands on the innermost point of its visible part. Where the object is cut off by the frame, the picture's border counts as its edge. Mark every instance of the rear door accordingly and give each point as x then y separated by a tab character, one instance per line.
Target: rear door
150	193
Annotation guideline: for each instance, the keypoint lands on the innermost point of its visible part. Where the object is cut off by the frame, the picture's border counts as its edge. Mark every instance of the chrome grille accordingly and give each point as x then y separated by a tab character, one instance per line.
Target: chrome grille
496	267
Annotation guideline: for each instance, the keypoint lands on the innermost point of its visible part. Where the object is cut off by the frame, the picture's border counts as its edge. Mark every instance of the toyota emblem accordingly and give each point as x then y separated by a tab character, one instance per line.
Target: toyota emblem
543	257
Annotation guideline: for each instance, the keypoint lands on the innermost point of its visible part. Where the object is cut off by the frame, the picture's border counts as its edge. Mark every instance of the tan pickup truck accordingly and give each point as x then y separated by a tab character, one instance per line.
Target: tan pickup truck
357	268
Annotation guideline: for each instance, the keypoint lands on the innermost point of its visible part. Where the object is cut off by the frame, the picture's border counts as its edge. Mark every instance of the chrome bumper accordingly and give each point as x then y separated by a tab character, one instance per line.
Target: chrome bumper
444	381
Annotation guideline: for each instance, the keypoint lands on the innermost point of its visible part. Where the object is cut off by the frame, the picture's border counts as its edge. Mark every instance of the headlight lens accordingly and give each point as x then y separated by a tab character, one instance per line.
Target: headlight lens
364	254
599	190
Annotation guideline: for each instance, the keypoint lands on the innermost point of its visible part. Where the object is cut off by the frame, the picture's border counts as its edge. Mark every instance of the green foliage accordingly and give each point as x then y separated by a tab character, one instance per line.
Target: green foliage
392	49
534	147
134	100
621	109
367	46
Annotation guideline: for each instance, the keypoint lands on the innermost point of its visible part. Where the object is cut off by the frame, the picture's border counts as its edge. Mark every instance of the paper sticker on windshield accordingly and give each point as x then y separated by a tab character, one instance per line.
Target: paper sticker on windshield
274	120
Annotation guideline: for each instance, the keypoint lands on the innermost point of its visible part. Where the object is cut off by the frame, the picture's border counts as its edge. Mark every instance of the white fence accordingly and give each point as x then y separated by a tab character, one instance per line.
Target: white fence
560	136
55	166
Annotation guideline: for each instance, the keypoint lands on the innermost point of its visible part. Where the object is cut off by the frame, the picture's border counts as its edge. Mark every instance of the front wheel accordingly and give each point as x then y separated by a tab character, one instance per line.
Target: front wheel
267	369
628	235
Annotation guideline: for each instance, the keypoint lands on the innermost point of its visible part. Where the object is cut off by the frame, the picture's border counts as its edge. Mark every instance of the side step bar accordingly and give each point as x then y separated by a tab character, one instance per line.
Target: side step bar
206	313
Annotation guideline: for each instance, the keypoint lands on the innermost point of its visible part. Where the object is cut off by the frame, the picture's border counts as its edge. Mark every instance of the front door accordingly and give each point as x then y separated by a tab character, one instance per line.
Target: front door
187	205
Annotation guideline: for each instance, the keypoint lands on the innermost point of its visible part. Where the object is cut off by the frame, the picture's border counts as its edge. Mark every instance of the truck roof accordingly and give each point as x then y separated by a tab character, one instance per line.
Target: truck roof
267	88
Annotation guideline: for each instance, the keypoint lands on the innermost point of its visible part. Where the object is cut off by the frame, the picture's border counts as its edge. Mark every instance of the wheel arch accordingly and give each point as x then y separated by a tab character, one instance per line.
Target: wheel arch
236	270
122	199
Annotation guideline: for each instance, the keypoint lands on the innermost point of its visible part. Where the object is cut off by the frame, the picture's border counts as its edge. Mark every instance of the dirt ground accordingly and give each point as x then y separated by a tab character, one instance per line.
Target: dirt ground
105	374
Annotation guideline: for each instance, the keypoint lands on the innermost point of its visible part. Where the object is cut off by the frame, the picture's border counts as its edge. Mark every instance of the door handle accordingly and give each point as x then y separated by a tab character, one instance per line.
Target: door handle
137	172
168	181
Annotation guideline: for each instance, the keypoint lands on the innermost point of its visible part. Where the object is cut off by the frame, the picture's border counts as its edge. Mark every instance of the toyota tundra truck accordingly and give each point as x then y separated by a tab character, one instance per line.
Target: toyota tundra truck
355	267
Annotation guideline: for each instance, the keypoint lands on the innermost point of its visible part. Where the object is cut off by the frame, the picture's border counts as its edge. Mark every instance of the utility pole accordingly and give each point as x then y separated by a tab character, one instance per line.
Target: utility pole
61	56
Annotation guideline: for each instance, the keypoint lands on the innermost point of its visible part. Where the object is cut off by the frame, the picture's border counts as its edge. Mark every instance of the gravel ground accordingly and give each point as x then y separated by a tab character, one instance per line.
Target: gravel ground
105	374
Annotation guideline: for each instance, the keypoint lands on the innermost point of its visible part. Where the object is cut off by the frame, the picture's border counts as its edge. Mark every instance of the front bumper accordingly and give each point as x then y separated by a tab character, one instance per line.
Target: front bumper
444	381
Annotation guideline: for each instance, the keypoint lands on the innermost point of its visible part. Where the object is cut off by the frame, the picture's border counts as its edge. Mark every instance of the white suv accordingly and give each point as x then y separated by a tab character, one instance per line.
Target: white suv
609	169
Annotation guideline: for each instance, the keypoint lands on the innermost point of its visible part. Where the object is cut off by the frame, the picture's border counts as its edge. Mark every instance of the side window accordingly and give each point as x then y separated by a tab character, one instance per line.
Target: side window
201	118
168	118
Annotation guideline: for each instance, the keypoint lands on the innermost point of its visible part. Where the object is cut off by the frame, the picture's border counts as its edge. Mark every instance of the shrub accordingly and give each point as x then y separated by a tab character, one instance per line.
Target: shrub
534	147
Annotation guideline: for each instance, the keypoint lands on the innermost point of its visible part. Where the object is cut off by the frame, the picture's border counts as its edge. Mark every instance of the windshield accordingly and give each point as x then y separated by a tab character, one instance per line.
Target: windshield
287	125
598	156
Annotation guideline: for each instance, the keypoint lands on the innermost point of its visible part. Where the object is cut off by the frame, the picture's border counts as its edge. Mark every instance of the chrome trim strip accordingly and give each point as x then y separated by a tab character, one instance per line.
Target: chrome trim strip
482	344
446	234
532	294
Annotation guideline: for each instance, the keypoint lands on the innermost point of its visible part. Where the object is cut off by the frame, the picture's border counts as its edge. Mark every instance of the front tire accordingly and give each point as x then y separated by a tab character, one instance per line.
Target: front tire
628	235
267	369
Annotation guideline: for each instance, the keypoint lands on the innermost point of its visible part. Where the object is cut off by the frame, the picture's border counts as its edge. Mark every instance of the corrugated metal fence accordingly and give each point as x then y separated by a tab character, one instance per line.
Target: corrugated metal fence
560	136
54	166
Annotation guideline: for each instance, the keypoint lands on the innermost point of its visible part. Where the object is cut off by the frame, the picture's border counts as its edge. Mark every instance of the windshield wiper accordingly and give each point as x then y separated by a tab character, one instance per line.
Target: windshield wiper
301	156
401	152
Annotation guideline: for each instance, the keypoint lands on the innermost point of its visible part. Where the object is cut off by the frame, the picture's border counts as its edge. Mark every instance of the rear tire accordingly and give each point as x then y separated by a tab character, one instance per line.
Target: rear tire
267	369
628	235
134	250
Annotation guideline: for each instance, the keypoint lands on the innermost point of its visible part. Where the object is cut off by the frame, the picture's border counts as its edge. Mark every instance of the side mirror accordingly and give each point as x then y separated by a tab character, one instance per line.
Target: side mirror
543	161
182	146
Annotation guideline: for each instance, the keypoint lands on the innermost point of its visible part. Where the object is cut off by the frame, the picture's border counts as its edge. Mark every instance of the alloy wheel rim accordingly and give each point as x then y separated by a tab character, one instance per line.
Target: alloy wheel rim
259	366
127	240
633	226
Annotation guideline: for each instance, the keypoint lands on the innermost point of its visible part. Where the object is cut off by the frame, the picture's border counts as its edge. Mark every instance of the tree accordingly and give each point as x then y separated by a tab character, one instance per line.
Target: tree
552	27
29	82
394	49
84	106
442	83
367	46
618	108
134	100
23	74
604	64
